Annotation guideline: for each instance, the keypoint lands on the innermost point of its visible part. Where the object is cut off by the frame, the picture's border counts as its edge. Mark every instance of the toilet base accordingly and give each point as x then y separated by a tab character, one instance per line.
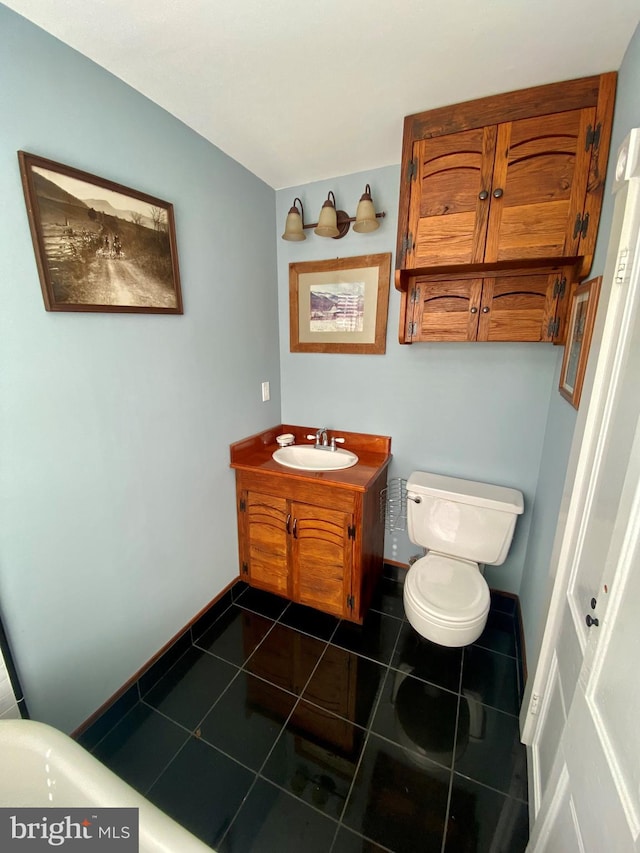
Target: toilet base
442	633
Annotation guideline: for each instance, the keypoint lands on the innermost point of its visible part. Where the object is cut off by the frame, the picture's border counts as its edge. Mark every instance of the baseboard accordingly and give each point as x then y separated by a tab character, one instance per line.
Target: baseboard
151	662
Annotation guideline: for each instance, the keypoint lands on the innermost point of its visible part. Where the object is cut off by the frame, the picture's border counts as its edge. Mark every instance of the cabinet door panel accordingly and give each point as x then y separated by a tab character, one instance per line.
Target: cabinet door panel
540	173
443	310
447	218
322	557
266	519
517	308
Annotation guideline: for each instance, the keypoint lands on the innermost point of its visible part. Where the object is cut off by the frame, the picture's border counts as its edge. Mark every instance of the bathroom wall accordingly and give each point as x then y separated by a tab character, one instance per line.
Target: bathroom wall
117	517
537	580
475	410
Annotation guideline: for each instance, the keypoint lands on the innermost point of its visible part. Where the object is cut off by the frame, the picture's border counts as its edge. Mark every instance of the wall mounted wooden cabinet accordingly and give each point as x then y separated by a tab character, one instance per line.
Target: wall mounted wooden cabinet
511	180
488	305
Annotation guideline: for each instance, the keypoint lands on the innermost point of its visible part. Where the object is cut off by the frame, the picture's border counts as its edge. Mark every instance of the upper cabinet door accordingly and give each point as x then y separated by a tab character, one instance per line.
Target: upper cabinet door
449	204
539	186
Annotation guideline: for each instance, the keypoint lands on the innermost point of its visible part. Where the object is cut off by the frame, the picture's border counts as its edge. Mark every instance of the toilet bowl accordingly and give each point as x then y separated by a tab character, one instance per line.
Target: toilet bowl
446	600
462	524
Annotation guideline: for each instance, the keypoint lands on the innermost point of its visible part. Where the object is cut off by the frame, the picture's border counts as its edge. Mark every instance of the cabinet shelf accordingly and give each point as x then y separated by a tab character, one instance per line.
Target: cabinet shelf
403	277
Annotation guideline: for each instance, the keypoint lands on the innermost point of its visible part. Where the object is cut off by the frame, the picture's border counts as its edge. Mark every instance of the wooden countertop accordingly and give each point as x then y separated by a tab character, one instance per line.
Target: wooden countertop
374	453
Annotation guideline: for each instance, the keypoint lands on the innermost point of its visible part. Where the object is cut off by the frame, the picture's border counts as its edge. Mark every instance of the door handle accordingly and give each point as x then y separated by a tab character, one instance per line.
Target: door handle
591	621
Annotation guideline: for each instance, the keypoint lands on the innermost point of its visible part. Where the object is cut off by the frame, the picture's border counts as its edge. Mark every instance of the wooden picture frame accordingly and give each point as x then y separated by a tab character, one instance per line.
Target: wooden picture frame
584	304
340	305
99	246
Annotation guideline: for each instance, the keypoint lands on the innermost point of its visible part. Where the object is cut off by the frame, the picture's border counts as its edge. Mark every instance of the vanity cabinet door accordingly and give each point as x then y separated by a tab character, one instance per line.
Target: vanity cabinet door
322	542
266	519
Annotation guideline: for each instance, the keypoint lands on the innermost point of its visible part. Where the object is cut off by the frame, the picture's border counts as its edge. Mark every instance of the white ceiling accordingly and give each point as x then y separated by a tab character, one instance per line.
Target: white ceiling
301	90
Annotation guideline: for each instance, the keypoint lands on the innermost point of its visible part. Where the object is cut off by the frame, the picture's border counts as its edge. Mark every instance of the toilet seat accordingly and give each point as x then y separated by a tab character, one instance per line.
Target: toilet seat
446	600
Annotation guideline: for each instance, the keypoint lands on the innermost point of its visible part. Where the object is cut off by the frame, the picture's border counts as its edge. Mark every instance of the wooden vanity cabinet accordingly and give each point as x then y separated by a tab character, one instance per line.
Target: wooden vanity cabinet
317	543
504	180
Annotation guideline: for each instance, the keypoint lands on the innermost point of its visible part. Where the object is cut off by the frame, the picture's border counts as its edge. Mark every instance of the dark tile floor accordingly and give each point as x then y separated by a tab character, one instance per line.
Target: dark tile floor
273	727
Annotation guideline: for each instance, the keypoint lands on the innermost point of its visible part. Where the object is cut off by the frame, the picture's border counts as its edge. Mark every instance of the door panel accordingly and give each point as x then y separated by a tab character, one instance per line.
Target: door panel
444	309
540	173
322	557
598	572
266	525
517	308
446	215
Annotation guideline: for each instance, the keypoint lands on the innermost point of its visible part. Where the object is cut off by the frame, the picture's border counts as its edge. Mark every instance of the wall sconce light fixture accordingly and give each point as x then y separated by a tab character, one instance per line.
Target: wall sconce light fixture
331	222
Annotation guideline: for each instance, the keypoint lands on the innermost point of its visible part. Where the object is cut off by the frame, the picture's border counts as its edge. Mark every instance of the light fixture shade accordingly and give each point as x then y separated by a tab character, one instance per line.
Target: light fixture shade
366	214
293	229
328	220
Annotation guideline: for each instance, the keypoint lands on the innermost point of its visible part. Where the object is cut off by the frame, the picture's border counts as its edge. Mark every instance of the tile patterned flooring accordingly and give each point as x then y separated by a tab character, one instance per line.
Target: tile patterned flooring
272	727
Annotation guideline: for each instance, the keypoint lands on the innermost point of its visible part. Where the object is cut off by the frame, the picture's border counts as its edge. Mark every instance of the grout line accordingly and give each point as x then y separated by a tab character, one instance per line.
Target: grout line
453	757
490	788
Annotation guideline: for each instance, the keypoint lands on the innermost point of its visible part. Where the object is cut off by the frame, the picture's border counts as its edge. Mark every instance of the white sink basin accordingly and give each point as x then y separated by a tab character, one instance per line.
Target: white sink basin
307	458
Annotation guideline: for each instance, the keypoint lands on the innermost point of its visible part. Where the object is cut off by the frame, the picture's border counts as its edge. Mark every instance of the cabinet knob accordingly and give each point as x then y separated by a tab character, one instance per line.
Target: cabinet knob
498	193
485	310
483	195
474	310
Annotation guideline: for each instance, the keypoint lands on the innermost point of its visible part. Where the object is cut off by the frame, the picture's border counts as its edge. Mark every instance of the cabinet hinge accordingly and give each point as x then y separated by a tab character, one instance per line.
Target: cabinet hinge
245	569
243	505
350	602
559	287
412	329
407	244
415	295
412	170
553	328
351	531
582	223
593	137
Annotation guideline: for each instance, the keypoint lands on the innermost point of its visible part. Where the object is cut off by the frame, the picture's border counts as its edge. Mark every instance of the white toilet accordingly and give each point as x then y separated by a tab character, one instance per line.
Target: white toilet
461	524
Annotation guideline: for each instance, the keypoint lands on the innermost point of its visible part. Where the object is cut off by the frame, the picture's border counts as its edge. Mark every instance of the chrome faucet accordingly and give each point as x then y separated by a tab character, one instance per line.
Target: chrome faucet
322	440
321	437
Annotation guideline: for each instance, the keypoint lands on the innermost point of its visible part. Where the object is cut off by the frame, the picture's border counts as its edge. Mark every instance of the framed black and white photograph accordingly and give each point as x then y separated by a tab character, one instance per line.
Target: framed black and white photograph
99	246
340	305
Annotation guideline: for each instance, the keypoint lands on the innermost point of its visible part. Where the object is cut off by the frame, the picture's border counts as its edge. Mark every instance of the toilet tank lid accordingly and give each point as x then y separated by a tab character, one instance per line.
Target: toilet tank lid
466	491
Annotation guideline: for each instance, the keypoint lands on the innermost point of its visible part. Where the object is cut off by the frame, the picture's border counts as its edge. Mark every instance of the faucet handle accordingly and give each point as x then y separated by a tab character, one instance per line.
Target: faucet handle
335	441
310	437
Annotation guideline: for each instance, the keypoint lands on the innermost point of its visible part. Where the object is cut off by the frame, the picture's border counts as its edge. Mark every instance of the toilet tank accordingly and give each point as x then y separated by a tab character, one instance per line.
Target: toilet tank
462	518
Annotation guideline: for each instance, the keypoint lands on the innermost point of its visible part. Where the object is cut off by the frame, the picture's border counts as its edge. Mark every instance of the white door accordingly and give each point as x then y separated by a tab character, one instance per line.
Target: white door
579	723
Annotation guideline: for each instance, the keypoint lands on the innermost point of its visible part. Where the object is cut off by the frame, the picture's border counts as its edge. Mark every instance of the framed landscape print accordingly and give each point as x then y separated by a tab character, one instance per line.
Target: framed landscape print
339	305
99	246
584	303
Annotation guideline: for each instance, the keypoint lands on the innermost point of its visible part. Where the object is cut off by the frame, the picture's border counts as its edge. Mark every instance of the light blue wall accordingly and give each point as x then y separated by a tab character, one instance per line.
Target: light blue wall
536	584
116	499
470	410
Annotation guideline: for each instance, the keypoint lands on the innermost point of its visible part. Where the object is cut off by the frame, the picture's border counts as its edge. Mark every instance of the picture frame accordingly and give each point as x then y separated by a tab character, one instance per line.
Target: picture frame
584	304
340	305
99	246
